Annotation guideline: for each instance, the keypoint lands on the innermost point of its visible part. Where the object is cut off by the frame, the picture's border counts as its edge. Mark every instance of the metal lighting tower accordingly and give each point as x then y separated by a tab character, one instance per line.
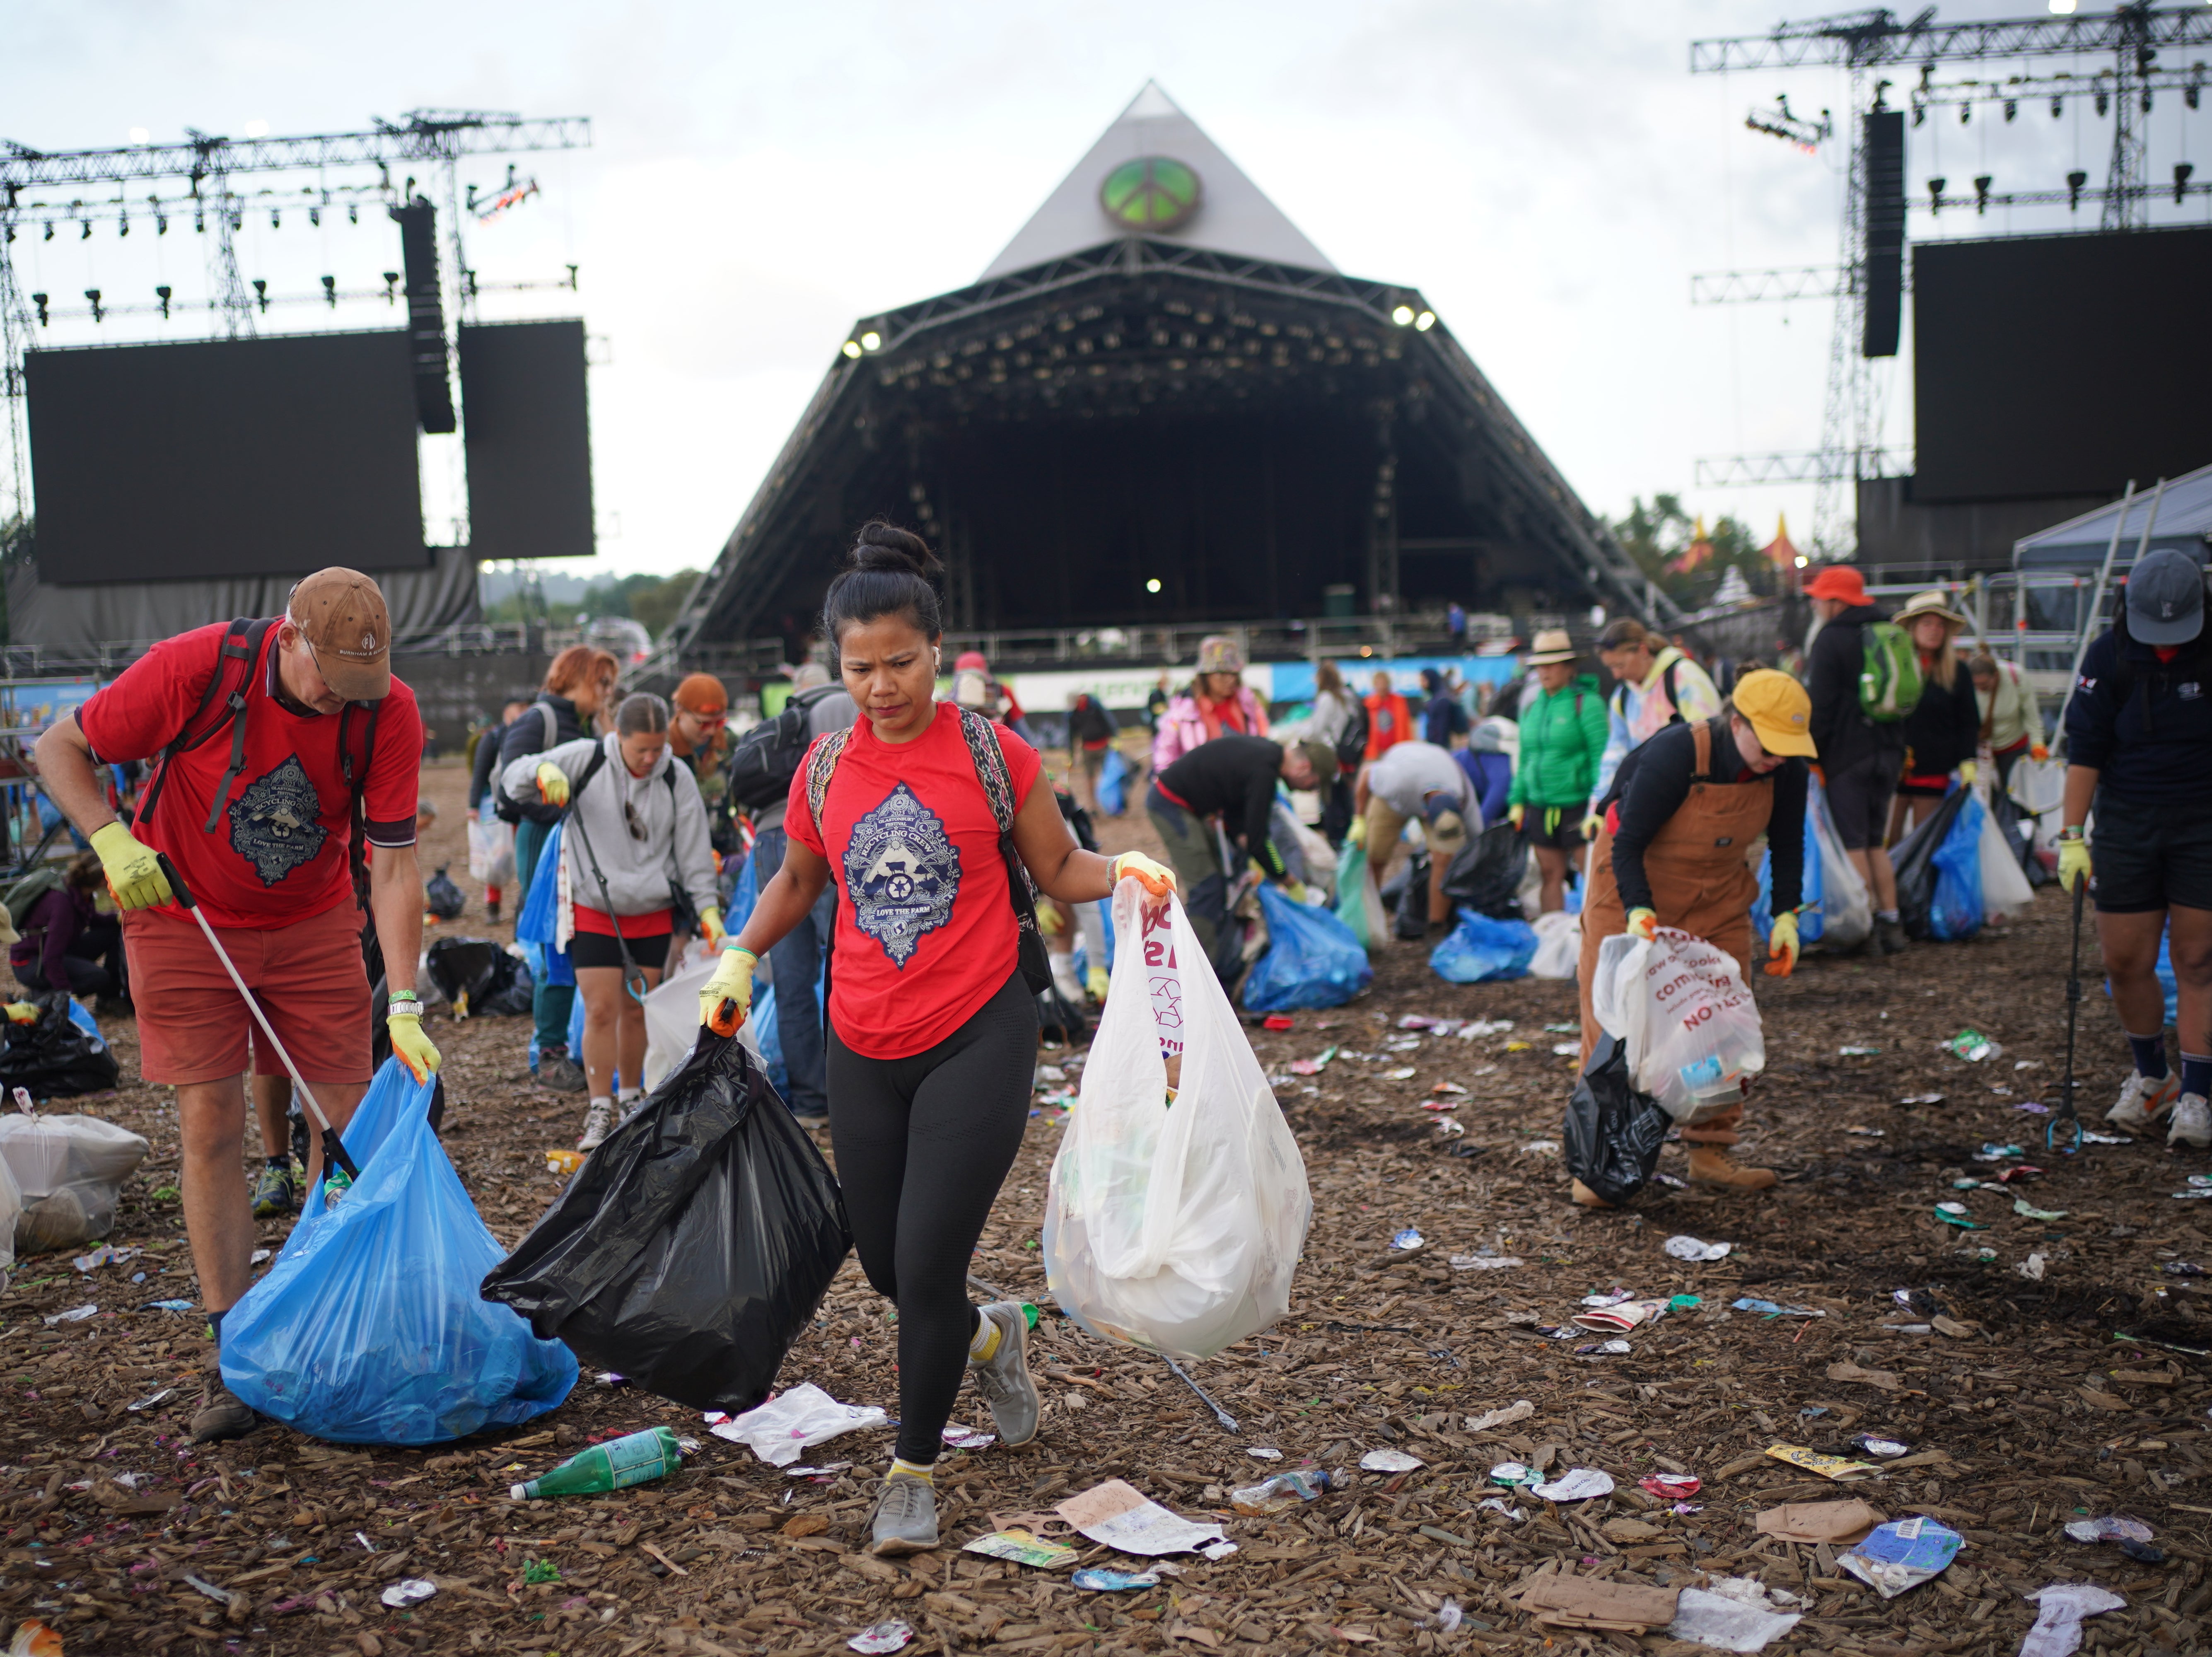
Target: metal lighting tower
206	163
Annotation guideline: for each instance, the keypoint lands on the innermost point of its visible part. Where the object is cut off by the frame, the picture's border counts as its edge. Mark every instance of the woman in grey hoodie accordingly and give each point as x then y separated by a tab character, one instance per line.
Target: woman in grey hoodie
634	856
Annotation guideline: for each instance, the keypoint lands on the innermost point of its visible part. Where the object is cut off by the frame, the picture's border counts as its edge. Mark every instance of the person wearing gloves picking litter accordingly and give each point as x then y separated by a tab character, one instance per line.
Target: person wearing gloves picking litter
1562	739
286	750
2138	731
1682	812
634	852
932	1021
2012	723
1415	782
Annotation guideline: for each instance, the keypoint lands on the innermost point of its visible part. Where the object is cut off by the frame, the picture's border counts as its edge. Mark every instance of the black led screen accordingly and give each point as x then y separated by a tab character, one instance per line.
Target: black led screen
225	457
529	433
2060	365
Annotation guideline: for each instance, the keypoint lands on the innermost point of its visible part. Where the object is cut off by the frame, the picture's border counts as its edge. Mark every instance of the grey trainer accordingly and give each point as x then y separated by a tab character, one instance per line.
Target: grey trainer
222	1414
905	1519
1004	1379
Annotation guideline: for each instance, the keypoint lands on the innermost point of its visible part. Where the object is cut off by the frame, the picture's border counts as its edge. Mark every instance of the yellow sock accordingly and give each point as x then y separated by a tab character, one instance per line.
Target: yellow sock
984	1346
912	1470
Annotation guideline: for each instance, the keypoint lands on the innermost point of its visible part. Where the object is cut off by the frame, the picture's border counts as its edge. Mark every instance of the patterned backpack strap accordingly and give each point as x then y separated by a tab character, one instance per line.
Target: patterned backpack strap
821	766
990	768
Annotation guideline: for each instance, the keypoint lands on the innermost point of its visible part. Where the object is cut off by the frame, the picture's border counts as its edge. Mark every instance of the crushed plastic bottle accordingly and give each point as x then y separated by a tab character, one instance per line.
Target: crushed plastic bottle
634	1458
1280	1494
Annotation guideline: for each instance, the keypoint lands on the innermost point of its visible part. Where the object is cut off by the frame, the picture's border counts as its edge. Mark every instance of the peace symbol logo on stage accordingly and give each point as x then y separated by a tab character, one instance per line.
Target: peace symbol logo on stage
1153	194
902	871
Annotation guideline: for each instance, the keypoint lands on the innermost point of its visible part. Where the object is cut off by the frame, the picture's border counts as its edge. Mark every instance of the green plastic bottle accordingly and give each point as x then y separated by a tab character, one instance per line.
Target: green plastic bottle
634	1458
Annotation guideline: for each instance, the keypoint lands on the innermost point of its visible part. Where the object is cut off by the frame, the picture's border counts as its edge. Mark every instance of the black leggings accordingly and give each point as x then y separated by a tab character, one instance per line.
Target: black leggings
923	1145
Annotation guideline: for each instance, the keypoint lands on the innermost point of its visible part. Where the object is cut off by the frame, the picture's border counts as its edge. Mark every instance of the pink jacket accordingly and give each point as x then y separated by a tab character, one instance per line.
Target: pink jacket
1183	727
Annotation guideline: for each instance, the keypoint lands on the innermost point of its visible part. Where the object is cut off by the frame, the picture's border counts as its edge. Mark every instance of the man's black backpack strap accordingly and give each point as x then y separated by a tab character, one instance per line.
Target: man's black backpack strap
241	642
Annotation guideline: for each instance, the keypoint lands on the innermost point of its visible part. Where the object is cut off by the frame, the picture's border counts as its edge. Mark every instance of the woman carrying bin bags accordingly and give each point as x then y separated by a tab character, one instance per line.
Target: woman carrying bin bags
933	1024
1683	810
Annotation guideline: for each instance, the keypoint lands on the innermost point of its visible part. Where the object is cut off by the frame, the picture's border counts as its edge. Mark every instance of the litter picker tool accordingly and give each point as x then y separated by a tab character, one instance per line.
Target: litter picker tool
2066	1114
334	1150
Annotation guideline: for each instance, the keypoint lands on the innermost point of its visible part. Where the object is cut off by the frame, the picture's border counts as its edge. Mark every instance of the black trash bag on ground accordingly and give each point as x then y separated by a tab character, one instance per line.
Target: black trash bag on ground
480	969
1208	900
1412	916
1060	1023
1612	1134
441	897
695	1245
1914	859
1485	877
56	1058
2019	831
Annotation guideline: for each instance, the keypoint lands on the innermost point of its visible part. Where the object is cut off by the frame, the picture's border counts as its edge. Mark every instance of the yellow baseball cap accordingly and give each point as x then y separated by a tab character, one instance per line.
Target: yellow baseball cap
1780	711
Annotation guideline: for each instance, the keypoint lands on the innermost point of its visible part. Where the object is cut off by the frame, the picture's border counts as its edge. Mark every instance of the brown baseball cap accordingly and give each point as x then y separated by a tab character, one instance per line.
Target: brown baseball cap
341	614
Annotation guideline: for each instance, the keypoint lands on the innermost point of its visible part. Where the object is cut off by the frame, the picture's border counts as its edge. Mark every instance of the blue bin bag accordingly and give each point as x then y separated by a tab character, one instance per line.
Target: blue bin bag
743	896
541	911
1809	920
1480	951
1312	958
1955	912
1114	784
769	1040
369	1328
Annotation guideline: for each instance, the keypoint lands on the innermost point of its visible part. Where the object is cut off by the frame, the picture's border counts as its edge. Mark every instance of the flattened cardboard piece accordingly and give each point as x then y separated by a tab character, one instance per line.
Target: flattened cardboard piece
1122	1516
1844	1369
1847	1521
1578	1602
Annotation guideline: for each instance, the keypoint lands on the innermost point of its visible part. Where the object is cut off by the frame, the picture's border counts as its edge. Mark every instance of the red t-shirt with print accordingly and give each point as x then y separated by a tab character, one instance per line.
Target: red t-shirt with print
926	930
278	851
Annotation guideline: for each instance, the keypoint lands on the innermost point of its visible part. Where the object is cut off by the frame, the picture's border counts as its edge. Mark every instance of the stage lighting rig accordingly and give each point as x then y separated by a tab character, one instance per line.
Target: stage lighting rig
1783	122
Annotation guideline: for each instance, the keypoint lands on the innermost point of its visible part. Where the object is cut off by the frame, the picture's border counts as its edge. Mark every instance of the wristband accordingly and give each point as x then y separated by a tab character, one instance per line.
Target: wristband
2074	833
405	995
407	1009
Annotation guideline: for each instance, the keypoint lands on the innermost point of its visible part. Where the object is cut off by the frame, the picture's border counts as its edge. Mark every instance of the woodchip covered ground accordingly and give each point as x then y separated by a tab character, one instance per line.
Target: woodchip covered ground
2026	1414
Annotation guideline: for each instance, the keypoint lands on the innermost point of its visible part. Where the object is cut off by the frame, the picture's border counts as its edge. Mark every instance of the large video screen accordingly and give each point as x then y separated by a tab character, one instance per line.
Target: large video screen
2060	365
527	418
225	457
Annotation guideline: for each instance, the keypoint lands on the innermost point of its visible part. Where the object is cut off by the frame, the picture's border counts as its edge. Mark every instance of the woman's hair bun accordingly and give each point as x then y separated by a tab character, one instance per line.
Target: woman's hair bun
881	546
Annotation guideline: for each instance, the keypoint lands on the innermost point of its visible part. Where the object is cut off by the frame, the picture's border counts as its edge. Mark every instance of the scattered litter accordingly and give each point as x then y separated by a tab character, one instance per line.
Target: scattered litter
1880	1447
1449	1615
1315	1065
1453	1089
1922	1099
1408	1239
1519	1410
74	1314
2182	1269
167	1306
2112	1529
1564	1601
1609	1298
1838	1468
609	1378
827	1469
1847	1521
1577	1484
1276	1021
887	1635
1960	1215
2087	1138
2032	1268
1514	1472
1497	1503
1216	1551
1611	1349
1280	1494
1113	1581
2060	1611
2194	1193
1260	1454
1540	1148
1769	1309
780	1429
2027	1211
1865	1132
1483	1262
1973	1046
151	1399
108	1254
633	1459
1021	1549
1562	1030
1405	1073
967	1438
1995	1153
1734	1613
1389	1461
35	1639
1901	1555
1123	1518
1448	1127
1856	1053
407	1591
1565	1049
1623	1314
2033	1108
1670	1486
563	1162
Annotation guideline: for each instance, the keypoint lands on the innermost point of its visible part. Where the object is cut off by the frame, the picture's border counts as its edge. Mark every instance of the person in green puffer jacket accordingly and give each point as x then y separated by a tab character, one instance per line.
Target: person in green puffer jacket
1562	738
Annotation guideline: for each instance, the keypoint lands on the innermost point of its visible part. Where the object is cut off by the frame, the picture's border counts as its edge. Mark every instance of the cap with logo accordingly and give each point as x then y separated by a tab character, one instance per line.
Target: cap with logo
2166	598
1780	711
341	614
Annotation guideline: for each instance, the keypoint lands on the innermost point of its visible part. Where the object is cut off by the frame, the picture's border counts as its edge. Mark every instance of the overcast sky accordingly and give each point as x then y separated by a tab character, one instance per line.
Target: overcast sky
1548	173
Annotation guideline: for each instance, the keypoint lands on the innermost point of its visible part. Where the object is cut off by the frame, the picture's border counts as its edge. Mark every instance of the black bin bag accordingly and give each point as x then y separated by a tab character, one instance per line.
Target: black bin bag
60	1055
1612	1134
1485	877
1914	859
695	1245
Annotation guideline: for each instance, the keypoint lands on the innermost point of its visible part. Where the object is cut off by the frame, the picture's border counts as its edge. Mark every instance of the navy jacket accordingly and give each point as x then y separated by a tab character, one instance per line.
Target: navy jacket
2144	724
1841	730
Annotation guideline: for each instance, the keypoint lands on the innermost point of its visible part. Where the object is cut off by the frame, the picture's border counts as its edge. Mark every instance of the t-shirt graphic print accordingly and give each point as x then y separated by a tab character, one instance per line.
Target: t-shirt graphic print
275	824
902	872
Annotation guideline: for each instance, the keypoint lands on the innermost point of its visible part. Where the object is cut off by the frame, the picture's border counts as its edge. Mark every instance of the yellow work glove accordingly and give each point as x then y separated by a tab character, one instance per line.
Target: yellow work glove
1095	981
1591	823
1515	815
2038	752
552	783
1782	946
1048	918
1296	889
1644	924
1357	834
1968	770
710	926
728	996
2073	858
134	875
22	1012
411	1046
1155	878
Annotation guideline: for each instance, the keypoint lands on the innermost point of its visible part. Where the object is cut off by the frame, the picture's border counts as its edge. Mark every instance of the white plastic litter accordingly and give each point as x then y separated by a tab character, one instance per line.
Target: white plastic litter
1497	1503
411	1590
784	1427
1483	1262
1519	1410
2060	1610
2005	890
1846	910
1176	1228
1120	1515
672	1018
1558	945
68	1170
1577	1484
491	850
1691	1248
1736	1614
1389	1461
1683	1010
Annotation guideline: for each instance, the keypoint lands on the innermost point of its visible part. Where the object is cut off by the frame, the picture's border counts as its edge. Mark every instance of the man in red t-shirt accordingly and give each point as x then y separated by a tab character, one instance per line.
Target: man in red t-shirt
257	818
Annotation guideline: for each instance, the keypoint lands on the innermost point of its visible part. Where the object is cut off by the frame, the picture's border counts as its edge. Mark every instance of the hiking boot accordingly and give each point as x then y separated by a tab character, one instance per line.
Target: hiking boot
598	1122
276	1193
222	1414
1710	1165
1585	1198
1892	934
905	1517
1004	1378
560	1073
2192	1122
2142	1101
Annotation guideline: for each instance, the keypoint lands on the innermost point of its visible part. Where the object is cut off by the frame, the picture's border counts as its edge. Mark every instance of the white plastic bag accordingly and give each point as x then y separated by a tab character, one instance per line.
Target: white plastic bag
1175	1227
68	1172
1684	1012
1319	856
2005	890
1558	945
671	1017
1846	910
491	851
794	1422
11	1211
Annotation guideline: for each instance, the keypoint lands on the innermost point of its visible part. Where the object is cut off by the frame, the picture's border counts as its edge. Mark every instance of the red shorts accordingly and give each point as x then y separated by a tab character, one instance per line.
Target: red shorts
308	978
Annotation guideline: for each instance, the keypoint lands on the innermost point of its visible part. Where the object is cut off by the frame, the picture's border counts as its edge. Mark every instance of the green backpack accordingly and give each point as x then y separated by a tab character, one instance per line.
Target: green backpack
27	890
1889	677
